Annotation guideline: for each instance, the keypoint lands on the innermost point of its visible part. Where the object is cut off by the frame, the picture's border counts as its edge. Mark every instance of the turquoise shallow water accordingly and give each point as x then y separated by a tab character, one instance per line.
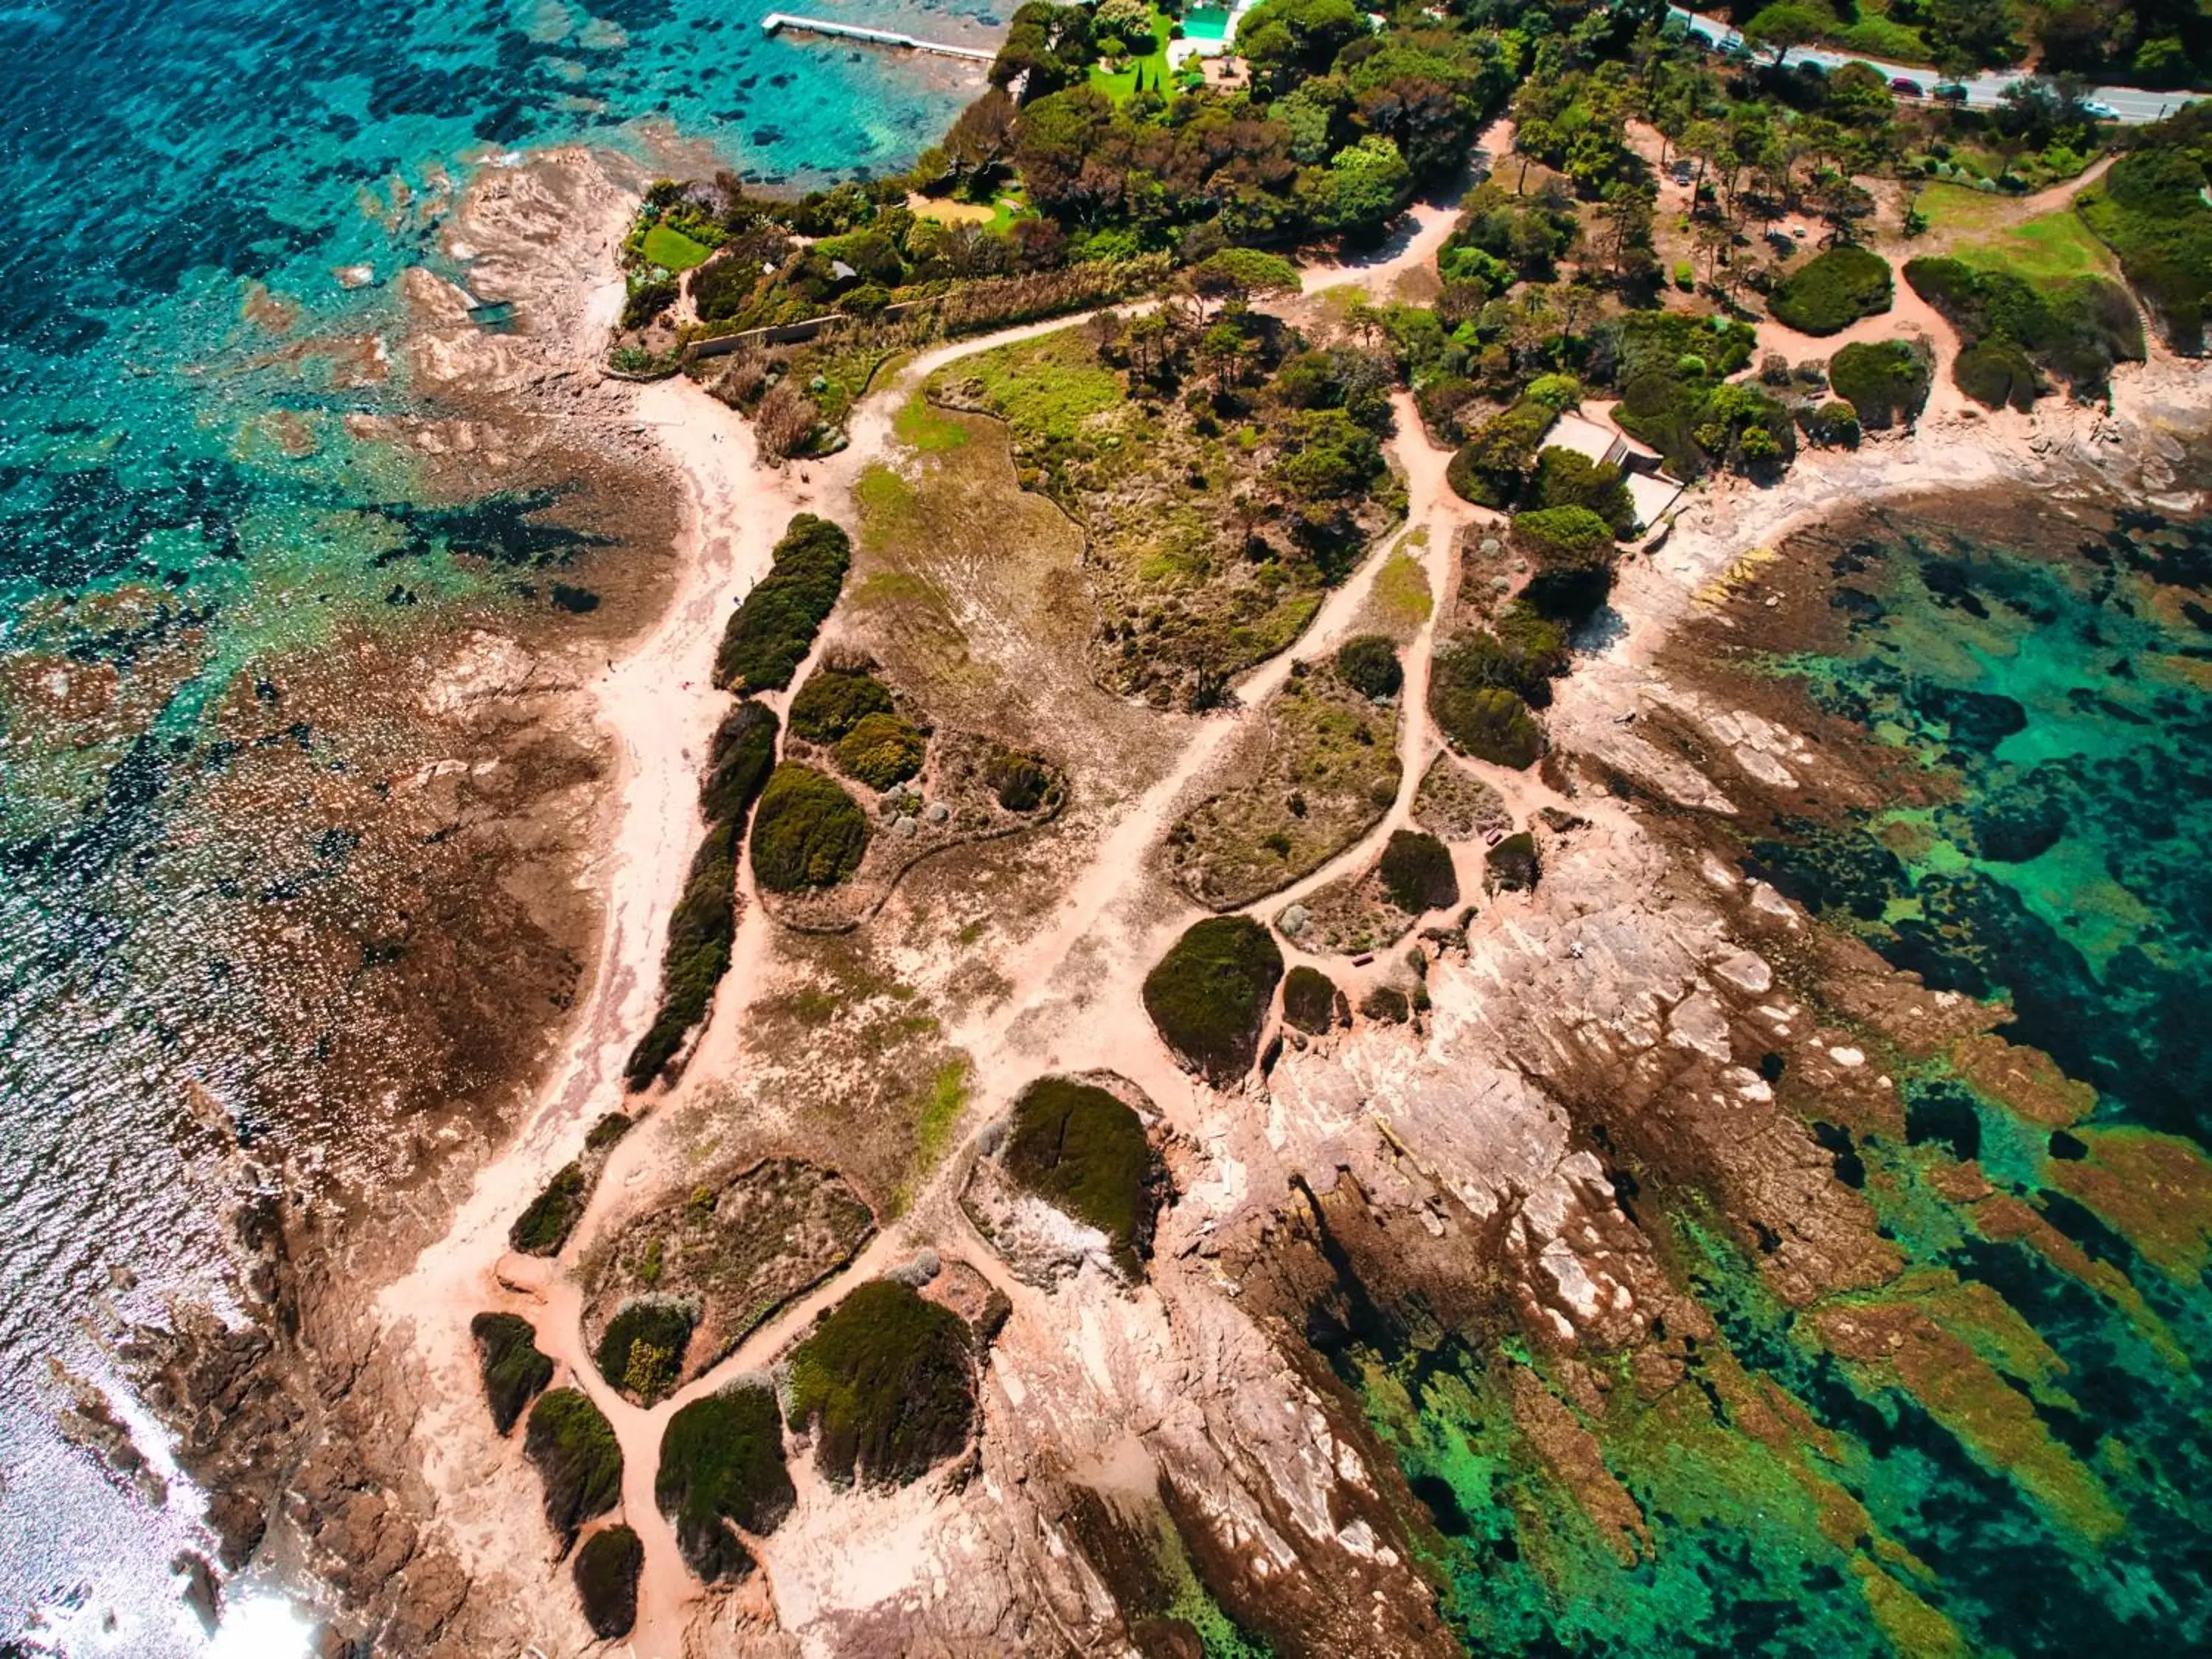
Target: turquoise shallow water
2044	1487
160	164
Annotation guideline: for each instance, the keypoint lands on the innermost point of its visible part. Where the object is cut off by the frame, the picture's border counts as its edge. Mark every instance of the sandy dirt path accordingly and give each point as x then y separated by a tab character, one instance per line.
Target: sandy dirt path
660	710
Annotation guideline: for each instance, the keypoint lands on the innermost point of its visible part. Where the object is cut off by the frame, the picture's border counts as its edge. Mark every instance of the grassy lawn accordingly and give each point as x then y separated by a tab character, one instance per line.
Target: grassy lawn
1153	65
1970	227
672	249
1046	388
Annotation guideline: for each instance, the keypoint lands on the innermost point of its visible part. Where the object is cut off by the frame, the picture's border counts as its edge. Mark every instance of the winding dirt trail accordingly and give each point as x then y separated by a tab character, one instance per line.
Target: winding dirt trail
660	710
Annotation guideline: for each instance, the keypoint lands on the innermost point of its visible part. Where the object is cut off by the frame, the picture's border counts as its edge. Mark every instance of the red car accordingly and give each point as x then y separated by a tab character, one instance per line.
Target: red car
1904	88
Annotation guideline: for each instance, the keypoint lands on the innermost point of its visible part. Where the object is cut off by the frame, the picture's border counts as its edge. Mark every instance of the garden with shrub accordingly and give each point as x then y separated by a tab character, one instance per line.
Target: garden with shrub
807	831
2013	332
573	1447
1832	290
1083	1150
1209	996
513	1371
721	1461
773	629
607	1569
1884	383
885	1384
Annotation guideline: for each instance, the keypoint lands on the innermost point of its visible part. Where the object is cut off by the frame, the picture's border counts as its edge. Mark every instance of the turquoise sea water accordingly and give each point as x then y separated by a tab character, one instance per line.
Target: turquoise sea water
162	166
2034	1470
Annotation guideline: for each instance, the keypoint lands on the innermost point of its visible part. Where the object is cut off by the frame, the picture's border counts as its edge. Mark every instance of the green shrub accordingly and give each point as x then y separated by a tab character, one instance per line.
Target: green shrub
1685	277
1488	468
1417	872
1885	384
641	1352
1080	1149
1311	1002
739	761
1208	996
698	953
545	1227
610	1128
573	1447
608	1568
1832	290
807	831
1021	782
886	1383
1995	374
1387	1004
1368	663
1490	724
1832	425
2151	211
2075	329
722	1460
514	1372
1512	866
833	702
771	632
1567	477
882	749
1572	550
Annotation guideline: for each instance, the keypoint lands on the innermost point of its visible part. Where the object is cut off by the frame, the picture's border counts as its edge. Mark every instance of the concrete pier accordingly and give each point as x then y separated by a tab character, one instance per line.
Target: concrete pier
777	20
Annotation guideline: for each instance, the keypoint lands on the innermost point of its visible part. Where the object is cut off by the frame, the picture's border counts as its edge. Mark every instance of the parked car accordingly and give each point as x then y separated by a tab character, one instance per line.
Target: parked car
1904	88
1681	172
2099	112
1951	92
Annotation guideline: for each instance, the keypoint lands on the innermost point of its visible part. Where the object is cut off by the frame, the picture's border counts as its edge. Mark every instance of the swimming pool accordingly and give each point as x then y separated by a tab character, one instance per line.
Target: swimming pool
1209	23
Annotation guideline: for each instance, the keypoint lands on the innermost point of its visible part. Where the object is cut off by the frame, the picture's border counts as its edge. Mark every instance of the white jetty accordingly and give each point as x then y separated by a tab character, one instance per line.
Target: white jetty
776	20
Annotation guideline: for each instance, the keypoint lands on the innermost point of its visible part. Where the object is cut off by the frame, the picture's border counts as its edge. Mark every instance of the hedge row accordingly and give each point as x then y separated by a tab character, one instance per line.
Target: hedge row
771	632
572	1446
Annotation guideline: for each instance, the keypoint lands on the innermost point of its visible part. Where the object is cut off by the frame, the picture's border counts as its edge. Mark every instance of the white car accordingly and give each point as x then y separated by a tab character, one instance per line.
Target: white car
2098	111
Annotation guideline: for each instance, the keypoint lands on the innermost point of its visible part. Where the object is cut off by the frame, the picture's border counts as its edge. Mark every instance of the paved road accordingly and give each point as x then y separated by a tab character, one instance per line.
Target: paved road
2133	108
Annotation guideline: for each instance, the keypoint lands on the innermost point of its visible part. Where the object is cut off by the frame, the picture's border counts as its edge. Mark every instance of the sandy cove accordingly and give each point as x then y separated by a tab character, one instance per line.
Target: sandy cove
657	707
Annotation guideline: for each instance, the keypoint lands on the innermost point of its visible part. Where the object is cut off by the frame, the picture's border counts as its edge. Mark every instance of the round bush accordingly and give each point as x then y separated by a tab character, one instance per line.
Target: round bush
607	1571
1082	1149
881	750
722	1459
1489	723
1832	290
642	1351
1563	538
1208	996
1834	425
1368	663
832	702
576	1454
1886	383
886	1383
1311	1002
807	831
1416	872
513	1369
1021	782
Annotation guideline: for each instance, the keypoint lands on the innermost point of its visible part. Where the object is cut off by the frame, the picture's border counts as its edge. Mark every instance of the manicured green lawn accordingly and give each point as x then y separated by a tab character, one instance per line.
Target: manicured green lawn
1154	64
672	249
2050	246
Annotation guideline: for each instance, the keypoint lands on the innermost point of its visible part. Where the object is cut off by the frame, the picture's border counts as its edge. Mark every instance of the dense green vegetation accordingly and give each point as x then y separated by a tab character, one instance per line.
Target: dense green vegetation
886	1384
770	633
1081	1150
573	1447
1020	782
704	922
1311	1002
1416	872
2150	209
544	1226
834	701
1832	290
1488	722
1368	663
722	1460
1209	995
608	1568
513	1371
807	832
641	1351
2012	331
1571	550
882	749
1568	478
739	761
1884	383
